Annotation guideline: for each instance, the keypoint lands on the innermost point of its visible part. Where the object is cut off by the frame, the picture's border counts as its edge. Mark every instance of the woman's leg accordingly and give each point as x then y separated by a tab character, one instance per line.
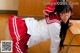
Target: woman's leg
7	36
7	33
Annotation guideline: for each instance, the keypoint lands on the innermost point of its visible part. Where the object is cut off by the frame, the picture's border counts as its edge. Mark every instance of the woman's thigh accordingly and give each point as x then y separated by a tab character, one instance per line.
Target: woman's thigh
7	33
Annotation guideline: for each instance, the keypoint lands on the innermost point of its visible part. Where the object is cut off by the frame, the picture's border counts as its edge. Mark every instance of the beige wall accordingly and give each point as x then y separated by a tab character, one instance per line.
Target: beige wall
8	4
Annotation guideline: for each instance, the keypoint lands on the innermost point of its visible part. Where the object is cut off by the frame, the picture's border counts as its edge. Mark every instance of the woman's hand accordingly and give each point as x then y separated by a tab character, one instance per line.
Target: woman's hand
70	24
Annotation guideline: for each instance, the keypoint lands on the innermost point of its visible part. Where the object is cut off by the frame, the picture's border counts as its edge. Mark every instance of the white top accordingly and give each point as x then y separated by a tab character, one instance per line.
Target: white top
41	31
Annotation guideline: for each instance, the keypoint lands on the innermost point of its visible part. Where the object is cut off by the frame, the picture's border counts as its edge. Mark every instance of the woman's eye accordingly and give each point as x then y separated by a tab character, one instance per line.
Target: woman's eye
62	13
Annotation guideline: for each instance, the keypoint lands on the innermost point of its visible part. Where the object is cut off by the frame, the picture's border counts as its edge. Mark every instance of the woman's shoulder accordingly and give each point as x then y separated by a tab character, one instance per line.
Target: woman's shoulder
52	19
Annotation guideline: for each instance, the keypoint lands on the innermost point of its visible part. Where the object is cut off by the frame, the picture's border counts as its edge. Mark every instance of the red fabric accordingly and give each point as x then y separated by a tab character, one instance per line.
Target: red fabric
53	18
72	6
18	32
53	0
49	8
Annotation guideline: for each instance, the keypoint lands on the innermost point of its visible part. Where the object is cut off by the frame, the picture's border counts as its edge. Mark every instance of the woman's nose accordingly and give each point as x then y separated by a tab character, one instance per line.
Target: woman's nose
67	14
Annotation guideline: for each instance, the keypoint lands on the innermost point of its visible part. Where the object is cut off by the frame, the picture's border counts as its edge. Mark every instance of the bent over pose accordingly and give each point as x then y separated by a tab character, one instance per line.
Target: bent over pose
26	32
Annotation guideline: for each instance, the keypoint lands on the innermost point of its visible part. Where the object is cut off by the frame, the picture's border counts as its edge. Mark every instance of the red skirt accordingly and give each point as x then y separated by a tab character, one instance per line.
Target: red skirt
18	32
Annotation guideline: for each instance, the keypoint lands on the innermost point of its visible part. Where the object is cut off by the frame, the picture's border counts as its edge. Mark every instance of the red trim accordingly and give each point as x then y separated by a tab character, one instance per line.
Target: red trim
18	32
53	18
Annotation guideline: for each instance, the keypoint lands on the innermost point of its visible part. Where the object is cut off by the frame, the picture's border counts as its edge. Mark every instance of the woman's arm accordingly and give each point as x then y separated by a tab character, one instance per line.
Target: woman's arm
54	30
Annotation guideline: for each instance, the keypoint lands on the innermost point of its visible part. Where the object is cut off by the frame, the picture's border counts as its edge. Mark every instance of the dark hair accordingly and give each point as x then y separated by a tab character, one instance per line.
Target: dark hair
64	26
62	8
61	0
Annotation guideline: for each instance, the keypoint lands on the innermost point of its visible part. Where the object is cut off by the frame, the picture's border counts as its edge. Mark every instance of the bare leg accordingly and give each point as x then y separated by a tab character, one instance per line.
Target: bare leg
7	33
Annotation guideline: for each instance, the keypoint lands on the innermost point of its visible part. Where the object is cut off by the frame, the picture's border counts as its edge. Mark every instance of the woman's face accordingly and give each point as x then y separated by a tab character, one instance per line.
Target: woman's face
65	16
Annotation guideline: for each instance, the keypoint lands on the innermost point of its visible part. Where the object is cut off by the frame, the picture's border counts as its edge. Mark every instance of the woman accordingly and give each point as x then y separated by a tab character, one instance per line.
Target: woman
27	32
63	10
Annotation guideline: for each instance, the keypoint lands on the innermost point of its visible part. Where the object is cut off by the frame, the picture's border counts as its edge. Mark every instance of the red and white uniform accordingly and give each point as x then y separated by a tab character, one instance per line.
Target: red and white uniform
41	31
27	32
53	23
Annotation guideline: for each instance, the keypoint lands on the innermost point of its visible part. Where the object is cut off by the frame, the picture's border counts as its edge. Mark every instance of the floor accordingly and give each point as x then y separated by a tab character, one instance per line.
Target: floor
44	46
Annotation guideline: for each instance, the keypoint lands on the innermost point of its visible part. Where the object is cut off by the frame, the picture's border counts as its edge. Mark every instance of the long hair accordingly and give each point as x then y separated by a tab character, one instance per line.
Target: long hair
64	26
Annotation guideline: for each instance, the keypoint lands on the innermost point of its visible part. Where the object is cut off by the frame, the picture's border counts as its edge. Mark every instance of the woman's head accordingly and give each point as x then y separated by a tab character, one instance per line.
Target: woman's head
64	11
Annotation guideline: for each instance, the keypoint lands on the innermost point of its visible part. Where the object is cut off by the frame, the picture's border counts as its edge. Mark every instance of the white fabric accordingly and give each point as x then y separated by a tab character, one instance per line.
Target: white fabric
41	31
54	30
